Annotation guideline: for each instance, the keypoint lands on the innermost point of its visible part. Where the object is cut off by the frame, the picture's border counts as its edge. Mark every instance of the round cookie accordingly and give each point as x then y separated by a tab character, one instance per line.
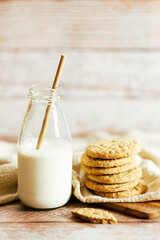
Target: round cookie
113	170
113	148
99	187
96	162
141	188
129	176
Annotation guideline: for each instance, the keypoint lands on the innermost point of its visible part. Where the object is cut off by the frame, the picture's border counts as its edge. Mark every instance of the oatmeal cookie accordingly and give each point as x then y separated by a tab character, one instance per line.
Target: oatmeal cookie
113	148
94	215
112	170
135	173
141	188
99	187
96	162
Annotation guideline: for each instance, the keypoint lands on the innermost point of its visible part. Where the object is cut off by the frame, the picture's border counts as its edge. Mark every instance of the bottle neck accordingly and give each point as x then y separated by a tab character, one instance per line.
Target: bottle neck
43	93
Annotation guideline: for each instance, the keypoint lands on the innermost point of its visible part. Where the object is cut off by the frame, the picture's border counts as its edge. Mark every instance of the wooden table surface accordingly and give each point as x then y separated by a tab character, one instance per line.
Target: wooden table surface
20	222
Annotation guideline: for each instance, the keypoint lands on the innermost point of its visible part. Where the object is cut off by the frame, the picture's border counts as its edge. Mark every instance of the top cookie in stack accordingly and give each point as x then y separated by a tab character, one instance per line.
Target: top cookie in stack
111	168
113	148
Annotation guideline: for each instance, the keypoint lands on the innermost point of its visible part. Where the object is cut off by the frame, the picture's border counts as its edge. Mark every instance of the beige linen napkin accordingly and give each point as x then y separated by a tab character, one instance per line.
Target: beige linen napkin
148	159
8	172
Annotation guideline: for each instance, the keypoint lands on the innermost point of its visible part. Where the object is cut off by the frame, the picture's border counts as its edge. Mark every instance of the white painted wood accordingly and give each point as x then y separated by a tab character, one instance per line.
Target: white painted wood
111	79
90	74
80	24
89	115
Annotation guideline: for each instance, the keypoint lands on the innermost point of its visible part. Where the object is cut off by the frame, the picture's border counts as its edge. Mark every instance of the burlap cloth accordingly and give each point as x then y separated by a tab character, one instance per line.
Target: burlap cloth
8	172
148	159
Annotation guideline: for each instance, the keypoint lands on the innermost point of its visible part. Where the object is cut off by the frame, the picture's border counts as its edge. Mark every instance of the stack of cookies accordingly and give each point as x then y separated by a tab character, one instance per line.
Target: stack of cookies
111	168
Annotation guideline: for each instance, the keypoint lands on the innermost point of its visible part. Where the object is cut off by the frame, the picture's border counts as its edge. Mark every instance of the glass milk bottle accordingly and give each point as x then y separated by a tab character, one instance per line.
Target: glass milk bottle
44	175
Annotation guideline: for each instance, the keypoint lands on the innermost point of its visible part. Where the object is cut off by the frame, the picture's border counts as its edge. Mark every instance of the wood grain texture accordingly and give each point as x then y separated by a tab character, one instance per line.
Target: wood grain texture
20	222
142	210
117	99
89	115
16	212
48	231
80	24
133	75
112	70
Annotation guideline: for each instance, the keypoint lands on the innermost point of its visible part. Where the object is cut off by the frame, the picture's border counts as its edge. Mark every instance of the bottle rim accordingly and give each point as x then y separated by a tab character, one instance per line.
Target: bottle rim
42	93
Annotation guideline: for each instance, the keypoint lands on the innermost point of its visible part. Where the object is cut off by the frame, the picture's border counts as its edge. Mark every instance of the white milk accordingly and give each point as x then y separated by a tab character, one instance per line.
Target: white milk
45	175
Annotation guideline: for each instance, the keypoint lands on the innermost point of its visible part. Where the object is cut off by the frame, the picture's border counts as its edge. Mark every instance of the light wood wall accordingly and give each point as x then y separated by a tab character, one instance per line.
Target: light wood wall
111	78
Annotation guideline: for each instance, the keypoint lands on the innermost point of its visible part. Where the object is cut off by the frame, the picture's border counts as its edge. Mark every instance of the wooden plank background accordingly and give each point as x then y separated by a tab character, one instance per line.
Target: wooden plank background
111	79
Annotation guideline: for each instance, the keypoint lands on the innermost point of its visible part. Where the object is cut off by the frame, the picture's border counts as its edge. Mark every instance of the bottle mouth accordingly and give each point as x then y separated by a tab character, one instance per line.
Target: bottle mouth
42	93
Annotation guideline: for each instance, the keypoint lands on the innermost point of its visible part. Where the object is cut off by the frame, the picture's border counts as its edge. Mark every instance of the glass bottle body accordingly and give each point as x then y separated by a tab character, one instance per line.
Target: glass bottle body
45	175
